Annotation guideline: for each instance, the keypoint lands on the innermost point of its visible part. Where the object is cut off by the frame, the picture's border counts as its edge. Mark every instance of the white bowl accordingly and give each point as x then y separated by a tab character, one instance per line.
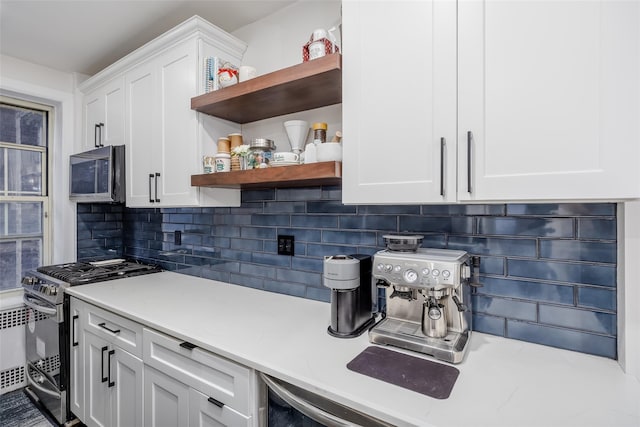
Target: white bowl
285	156
329	152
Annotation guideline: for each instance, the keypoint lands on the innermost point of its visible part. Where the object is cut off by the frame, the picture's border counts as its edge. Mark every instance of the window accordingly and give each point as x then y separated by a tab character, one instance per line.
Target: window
25	130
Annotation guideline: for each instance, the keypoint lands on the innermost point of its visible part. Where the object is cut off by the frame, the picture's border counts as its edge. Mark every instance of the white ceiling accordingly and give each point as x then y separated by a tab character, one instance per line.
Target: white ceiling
85	36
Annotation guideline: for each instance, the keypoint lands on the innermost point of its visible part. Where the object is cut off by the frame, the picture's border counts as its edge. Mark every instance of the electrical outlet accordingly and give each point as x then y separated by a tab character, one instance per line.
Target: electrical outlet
177	237
285	245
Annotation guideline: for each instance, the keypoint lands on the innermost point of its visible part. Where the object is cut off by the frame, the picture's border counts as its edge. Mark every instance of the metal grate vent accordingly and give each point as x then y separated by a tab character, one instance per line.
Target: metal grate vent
17	317
11	318
12	378
50	365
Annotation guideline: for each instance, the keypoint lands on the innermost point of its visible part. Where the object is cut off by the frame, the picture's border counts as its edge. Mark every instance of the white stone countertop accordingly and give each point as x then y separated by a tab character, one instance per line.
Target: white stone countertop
502	382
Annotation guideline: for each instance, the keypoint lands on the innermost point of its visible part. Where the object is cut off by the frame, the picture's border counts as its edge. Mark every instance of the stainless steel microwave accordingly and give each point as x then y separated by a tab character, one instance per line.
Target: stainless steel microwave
97	175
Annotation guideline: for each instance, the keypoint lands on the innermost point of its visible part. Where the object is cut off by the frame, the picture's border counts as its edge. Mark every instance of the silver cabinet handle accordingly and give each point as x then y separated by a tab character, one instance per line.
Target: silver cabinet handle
469	152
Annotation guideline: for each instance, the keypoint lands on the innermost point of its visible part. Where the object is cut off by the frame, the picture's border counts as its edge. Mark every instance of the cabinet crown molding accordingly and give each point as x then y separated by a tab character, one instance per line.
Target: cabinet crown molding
194	26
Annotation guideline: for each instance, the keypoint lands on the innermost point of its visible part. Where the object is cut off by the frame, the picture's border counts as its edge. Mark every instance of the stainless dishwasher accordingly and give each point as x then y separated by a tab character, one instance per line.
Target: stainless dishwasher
285	405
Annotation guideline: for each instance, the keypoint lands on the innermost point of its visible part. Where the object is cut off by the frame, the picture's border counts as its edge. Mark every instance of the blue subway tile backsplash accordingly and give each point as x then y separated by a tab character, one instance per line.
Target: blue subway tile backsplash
548	270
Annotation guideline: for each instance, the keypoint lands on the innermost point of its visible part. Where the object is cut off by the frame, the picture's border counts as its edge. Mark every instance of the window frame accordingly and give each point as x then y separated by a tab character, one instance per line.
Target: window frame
47	179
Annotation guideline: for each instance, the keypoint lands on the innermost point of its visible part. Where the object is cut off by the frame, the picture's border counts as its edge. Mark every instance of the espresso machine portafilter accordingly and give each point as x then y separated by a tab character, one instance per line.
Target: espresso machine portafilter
349	278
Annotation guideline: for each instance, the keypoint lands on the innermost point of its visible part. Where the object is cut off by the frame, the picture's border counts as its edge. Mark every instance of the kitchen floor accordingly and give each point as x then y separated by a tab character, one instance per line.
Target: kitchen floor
17	410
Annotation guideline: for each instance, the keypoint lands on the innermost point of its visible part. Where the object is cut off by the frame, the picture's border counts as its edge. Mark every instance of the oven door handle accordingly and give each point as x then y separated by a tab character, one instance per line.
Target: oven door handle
305	407
39	387
33	302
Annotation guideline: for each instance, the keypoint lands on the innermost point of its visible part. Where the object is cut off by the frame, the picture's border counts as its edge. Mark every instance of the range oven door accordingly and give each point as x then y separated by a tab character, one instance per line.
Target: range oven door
284	405
43	337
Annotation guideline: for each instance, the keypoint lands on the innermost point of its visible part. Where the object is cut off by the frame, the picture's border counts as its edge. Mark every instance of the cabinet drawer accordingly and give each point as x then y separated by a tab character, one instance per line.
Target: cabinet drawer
203	412
219	378
115	329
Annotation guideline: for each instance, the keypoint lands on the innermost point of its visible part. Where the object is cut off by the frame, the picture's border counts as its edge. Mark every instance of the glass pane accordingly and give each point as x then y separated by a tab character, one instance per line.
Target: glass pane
8	265
20	218
22	126
31	255
25	172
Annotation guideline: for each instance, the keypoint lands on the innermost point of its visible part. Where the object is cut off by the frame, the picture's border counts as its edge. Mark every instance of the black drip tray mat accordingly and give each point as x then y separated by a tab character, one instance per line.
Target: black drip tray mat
422	376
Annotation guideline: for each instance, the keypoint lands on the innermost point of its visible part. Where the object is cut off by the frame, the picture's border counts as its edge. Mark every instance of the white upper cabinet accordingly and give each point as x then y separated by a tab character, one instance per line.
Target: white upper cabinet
103	116
535	100
165	139
550	91
399	101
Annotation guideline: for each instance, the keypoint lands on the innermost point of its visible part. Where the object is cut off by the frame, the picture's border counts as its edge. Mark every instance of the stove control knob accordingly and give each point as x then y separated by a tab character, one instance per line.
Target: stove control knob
425	271
54	290
388	268
446	274
435	272
410	276
29	280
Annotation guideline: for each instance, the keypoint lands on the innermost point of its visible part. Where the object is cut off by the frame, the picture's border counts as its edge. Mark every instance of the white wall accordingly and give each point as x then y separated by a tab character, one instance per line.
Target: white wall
275	42
628	287
32	82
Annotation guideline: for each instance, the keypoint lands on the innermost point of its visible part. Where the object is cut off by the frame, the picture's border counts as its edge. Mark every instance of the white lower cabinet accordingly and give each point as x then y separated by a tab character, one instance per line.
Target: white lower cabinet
113	385
124	375
219	391
76	359
166	400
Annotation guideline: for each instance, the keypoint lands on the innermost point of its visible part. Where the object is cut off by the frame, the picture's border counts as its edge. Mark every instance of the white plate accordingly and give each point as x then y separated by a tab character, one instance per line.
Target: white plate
275	164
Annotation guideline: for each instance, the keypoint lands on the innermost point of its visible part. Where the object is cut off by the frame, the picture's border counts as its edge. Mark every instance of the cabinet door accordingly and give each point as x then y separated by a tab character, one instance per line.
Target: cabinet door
114	107
103	115
93	116
207	412
76	360
179	153
399	102
97	400
142	134
126	389
166	400
550	93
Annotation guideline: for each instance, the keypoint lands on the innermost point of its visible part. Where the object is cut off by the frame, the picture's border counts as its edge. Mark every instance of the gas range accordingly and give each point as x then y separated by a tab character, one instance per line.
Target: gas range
48	282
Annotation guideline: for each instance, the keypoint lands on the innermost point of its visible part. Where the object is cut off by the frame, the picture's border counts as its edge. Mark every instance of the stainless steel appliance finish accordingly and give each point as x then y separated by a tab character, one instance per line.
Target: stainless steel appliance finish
97	175
428	301
349	278
284	405
47	324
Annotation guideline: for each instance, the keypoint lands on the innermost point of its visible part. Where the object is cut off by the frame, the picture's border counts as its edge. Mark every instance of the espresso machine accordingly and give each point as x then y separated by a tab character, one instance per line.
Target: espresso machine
428	298
349	278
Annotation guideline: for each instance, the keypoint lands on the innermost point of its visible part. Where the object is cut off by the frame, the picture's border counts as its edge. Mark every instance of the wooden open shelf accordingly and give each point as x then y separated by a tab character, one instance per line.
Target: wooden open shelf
312	84
323	173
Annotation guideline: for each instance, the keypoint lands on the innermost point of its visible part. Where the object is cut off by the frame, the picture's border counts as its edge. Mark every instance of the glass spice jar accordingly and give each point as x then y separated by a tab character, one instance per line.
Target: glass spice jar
319	132
260	153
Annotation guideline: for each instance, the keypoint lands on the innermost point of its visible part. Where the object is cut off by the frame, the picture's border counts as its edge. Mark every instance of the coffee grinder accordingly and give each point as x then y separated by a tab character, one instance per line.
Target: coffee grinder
349	278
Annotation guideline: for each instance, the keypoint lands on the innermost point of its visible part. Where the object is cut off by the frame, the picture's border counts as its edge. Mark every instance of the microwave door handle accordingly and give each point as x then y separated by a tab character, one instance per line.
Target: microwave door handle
151	176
